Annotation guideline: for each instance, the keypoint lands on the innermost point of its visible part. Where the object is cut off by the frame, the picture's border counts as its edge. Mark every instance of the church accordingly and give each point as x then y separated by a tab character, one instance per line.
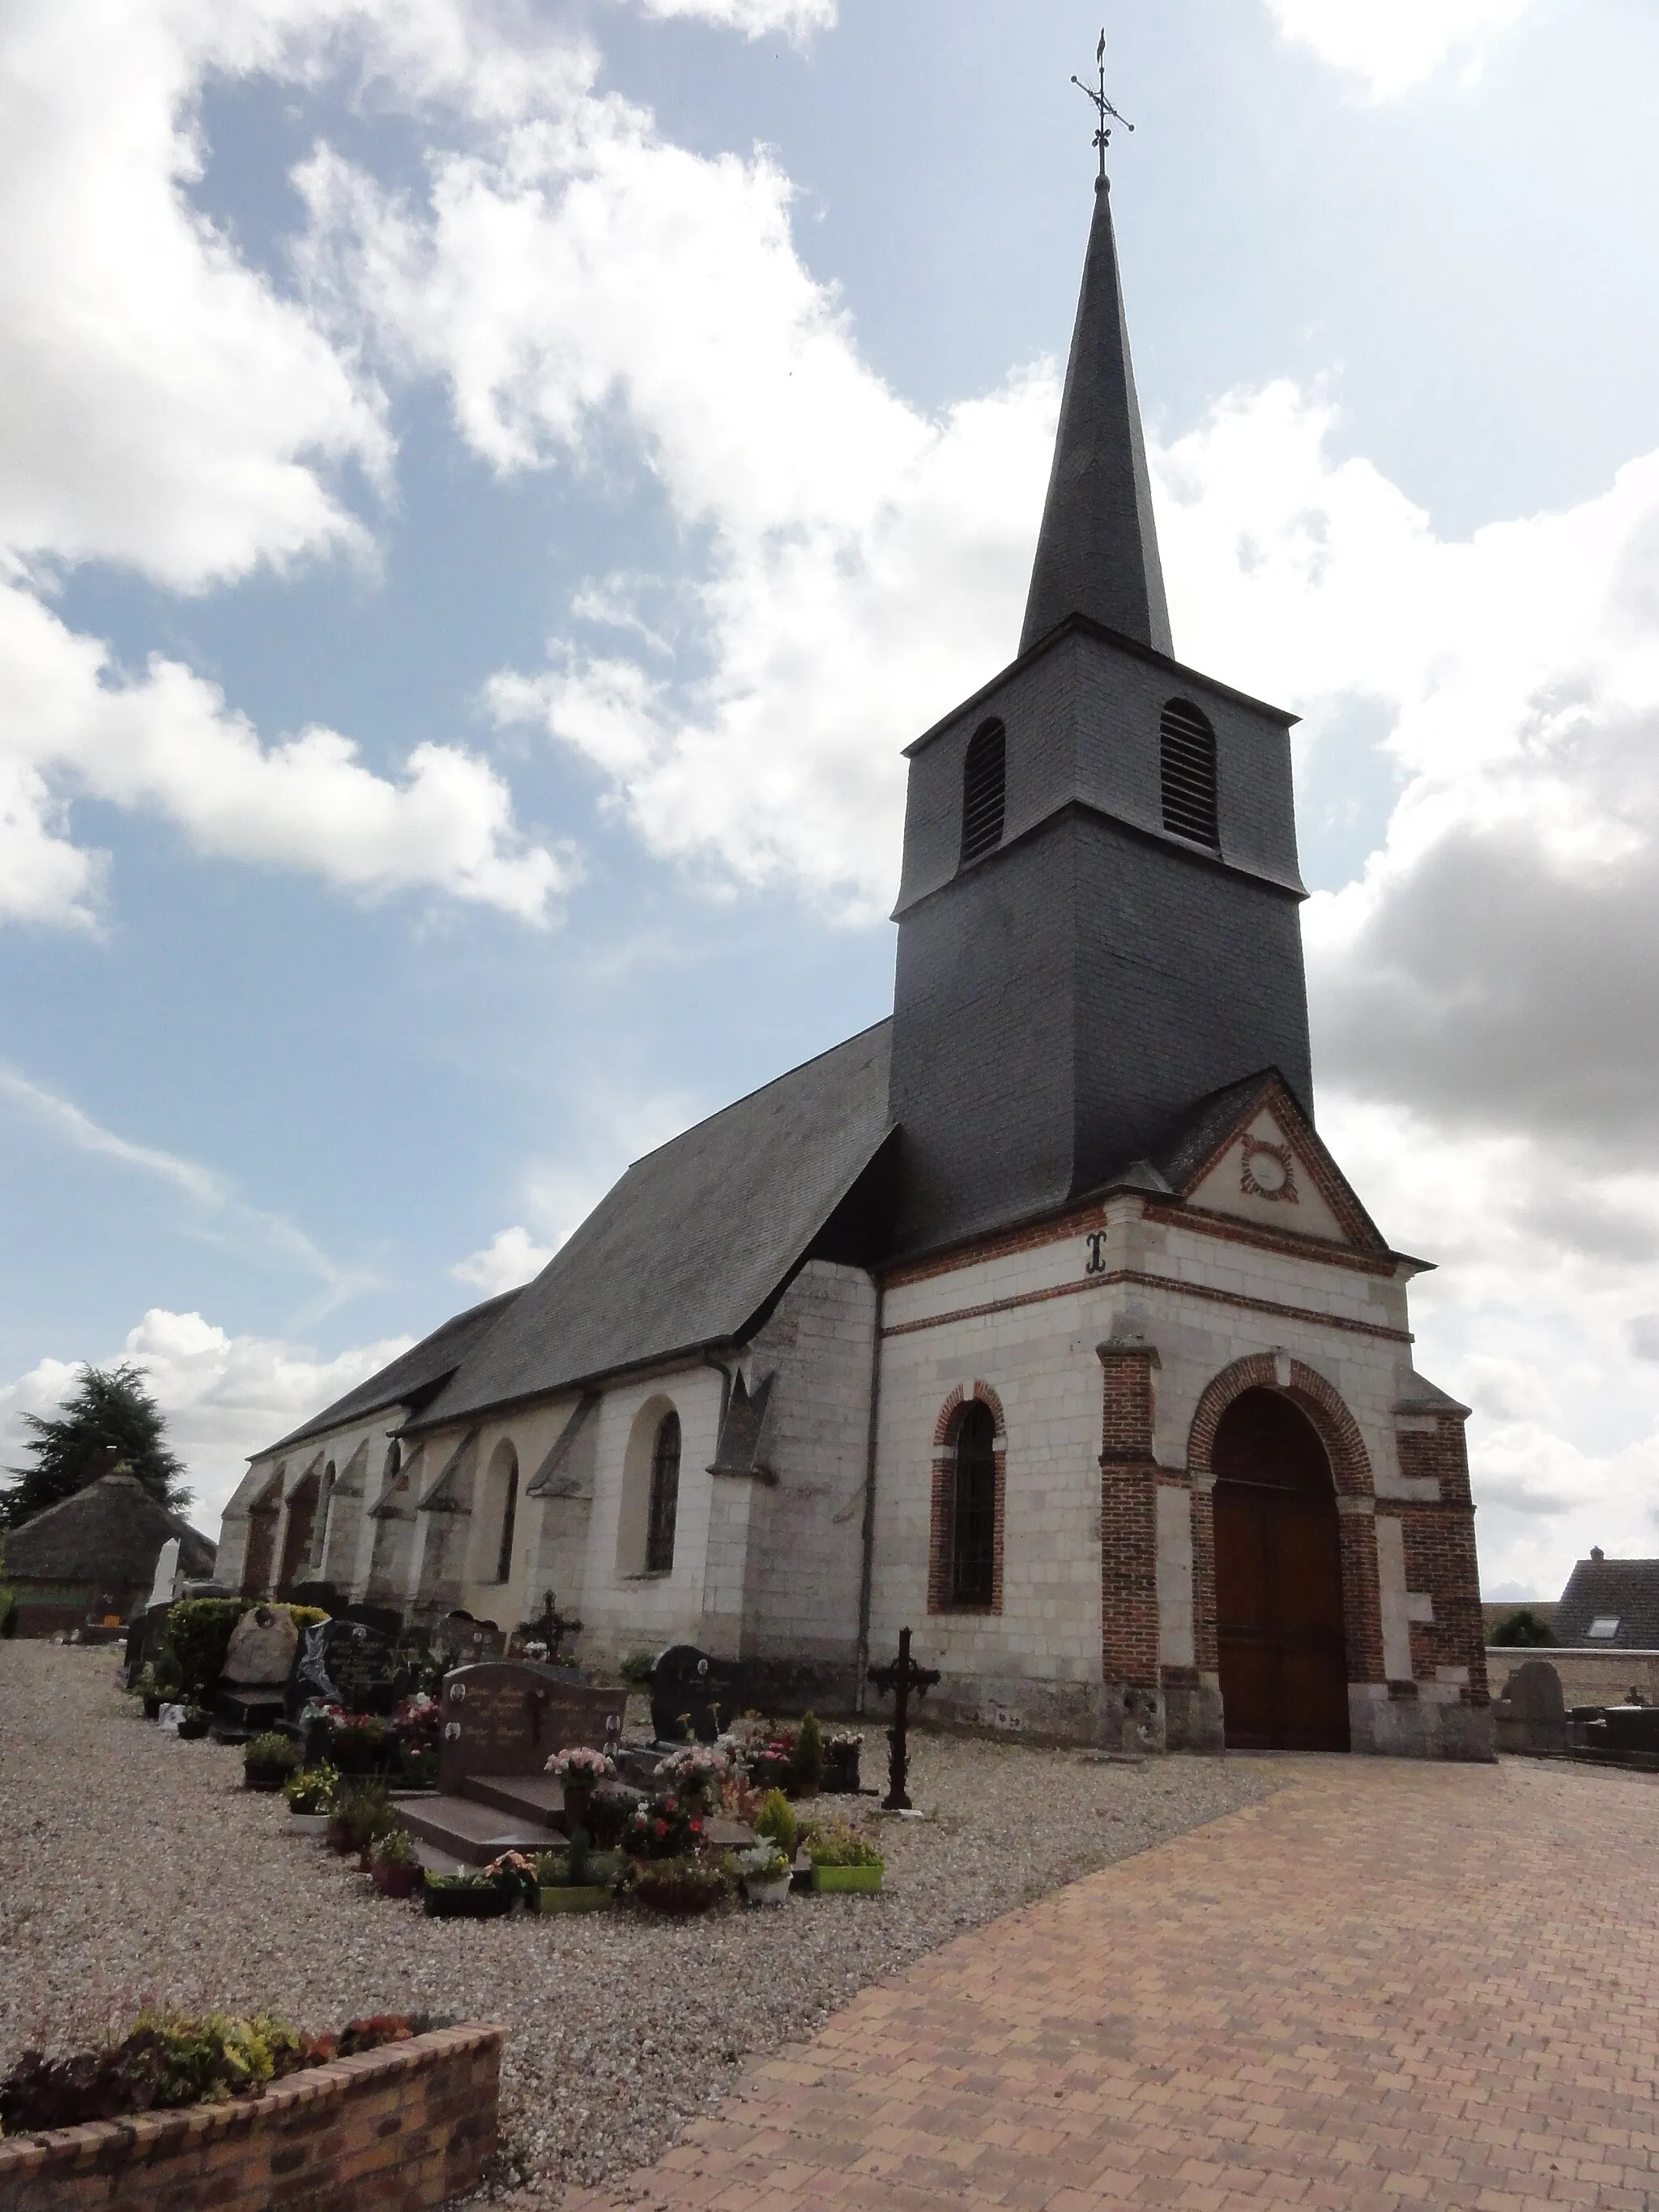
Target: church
1036	1318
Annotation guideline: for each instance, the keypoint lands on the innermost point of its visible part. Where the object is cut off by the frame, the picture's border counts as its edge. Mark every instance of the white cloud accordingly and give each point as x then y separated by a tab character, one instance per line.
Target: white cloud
511	1257
865	562
796	19
167	742
225	1397
1395	43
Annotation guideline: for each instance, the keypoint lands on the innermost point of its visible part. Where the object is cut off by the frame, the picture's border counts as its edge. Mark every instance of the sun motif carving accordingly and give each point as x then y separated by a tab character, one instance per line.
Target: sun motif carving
1267	1171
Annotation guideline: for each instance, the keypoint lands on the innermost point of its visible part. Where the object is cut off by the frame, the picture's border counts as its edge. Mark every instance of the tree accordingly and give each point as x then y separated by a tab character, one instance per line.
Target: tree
1519	1630
109	1415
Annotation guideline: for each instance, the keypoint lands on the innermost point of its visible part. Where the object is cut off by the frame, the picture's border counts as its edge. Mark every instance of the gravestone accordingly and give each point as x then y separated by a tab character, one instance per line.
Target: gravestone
346	1662
167	1568
253	1682
692	1696
1531	1714
510	1716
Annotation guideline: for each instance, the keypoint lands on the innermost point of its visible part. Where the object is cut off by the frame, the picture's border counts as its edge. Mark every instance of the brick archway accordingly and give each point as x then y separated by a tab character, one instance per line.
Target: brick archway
1351	1473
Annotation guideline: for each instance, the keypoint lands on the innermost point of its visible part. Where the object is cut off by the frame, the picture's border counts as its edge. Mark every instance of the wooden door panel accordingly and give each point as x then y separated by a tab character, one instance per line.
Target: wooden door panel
1278	1611
1242	1595
1307	1573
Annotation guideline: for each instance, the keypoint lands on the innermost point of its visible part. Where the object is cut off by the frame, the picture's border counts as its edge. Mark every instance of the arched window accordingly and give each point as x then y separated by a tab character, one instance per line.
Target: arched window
664	1496
973	1507
984	778
509	1520
1186	772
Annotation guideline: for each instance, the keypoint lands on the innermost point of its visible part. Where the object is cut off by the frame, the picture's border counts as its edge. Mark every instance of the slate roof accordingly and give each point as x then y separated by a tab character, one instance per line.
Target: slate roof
412	1377
695	1243
109	1535
1625	1590
1097	549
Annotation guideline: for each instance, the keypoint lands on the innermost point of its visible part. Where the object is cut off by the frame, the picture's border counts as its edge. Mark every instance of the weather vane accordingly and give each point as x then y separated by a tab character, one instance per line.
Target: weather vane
1102	106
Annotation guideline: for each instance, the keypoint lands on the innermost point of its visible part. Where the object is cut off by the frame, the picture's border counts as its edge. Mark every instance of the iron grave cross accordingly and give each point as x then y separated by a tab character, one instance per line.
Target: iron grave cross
1102	106
901	1678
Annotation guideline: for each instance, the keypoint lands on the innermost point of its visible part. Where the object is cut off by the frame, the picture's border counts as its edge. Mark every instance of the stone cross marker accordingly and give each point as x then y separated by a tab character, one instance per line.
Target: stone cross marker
901	1678
510	1716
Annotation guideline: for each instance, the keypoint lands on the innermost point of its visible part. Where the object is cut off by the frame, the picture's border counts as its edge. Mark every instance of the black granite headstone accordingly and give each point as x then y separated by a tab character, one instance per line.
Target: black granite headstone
693	1697
510	1716
346	1662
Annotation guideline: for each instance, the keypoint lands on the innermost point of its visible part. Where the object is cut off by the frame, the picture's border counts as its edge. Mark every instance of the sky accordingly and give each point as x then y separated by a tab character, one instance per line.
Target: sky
486	492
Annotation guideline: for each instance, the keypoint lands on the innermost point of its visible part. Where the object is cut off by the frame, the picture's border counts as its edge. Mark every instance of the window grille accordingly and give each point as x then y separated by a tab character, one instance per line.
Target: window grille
664	1496
974	1509
984	778
509	1519
1187	762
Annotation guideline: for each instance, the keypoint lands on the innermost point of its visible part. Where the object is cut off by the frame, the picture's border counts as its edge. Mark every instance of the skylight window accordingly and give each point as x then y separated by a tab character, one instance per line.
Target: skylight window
1605	1624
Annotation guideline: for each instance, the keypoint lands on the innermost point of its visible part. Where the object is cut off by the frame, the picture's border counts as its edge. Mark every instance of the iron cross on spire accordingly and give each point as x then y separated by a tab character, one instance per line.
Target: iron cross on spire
1102	106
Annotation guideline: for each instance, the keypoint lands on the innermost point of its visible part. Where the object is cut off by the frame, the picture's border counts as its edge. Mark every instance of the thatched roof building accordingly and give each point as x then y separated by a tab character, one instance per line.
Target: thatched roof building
94	1555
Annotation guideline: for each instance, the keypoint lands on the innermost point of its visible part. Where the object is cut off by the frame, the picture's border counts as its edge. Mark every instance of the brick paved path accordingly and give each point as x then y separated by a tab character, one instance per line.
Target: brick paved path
1388	1985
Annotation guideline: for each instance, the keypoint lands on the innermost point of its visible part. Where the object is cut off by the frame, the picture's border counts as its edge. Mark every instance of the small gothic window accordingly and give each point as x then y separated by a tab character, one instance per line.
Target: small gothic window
664	1496
984	775
974	1509
1187	763
509	1517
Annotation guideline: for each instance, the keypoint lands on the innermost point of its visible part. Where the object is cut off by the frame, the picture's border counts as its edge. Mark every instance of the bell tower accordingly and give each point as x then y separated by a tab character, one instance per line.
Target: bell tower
1098	915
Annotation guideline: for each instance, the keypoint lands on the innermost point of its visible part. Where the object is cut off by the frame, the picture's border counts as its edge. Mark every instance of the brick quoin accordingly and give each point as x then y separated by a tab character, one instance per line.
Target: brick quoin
1440	1556
1129	1515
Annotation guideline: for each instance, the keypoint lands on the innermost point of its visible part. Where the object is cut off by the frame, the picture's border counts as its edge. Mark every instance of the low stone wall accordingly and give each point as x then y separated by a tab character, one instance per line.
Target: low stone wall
406	2126
1588	1677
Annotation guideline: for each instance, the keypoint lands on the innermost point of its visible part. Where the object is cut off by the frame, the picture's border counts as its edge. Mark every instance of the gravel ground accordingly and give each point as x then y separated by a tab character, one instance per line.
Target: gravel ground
138	1871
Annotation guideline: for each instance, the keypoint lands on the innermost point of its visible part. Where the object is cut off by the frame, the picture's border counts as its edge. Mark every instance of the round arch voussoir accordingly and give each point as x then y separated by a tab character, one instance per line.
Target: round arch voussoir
1339	1432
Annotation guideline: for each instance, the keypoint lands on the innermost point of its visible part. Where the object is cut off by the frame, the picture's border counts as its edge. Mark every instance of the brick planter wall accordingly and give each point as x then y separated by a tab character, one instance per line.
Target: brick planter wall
406	2126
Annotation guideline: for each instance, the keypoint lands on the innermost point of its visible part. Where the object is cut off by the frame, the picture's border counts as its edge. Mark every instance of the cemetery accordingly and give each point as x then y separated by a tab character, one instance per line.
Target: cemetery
672	1885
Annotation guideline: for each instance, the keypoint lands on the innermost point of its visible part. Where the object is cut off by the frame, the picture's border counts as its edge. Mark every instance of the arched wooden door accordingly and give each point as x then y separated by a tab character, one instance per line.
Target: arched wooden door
1278	1581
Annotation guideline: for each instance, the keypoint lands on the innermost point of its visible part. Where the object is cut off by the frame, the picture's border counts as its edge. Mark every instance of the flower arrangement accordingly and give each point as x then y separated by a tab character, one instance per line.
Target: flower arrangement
514	1873
696	1771
762	1862
664	1828
355	1740
772	1763
311	1790
415	1719
841	1748
579	1765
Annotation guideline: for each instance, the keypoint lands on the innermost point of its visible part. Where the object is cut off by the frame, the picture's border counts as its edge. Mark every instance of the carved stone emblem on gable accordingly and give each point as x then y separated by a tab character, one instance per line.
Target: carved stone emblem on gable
1267	1171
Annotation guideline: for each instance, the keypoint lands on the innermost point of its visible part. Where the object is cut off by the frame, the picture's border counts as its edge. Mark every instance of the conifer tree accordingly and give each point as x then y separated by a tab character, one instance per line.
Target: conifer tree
108	1405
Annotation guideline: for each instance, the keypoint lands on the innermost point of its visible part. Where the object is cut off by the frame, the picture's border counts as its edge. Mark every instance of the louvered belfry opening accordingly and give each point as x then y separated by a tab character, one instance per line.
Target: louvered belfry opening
1187	762
984	777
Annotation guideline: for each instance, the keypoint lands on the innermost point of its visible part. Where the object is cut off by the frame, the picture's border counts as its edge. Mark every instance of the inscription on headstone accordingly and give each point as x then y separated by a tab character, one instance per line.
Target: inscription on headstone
509	1717
692	1696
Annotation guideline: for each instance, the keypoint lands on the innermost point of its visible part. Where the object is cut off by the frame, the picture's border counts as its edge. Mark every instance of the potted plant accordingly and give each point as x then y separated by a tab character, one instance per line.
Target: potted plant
766	1874
663	1827
469	1896
356	1742
413	1732
843	1859
579	1772
309	1795
681	1886
695	1772
772	1763
194	1722
841	1748
776	1819
563	1885
516	1877
361	1814
392	1864
269	1760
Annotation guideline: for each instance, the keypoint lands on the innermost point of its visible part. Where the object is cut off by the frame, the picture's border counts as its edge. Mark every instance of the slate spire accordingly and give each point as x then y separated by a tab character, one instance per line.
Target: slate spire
1097	549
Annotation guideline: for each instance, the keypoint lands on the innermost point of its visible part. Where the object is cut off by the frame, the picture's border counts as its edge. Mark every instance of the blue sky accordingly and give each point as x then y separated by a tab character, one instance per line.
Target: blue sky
486	492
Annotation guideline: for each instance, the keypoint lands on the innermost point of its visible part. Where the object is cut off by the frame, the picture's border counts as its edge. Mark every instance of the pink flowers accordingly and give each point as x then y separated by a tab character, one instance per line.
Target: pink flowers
581	1765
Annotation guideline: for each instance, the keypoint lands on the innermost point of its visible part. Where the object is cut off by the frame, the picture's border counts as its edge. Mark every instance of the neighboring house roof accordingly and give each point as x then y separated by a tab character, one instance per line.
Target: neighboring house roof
109	1534
699	1239
412	1377
1623	1591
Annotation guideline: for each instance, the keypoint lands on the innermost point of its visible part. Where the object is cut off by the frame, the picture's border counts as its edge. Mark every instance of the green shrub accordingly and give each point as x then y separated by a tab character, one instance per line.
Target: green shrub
364	1813
807	1764
637	1668
777	1819
312	1790
1521	1629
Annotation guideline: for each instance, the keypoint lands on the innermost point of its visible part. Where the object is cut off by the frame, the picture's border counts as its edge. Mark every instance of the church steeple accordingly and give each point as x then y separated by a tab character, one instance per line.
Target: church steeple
1098	550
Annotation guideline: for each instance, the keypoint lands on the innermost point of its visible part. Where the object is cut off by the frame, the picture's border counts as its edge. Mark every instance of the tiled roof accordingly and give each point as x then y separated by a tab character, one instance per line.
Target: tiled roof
1625	1591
